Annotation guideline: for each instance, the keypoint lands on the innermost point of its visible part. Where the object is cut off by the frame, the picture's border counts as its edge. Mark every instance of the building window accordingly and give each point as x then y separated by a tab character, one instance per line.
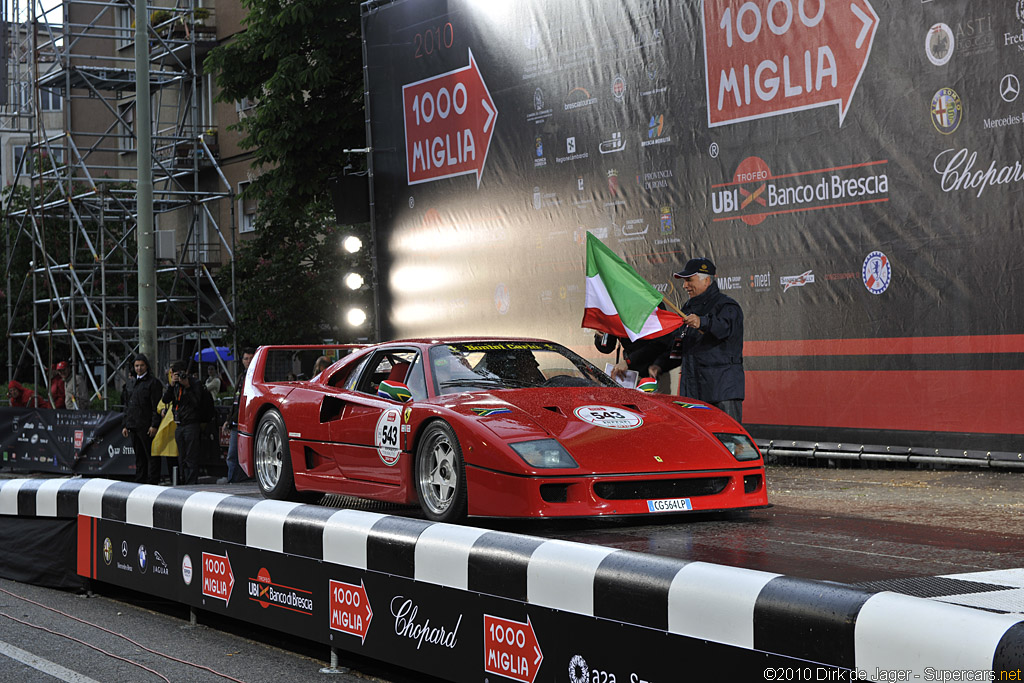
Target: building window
244	107
49	100
57	153
125	26
126	127
19	152
246	210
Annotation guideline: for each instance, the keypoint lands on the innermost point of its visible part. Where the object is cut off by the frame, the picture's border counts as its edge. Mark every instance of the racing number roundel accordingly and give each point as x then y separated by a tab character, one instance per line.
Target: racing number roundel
609	416
386	436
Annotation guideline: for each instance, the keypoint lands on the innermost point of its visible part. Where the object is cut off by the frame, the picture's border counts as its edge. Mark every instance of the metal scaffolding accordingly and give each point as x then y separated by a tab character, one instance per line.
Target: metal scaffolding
76	219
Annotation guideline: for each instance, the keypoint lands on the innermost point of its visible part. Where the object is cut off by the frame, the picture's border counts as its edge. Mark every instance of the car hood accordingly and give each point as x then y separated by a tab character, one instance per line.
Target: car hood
611	430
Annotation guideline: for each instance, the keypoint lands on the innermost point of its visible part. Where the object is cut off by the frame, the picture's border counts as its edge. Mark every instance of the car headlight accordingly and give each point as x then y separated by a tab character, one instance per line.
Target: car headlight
544	454
741	447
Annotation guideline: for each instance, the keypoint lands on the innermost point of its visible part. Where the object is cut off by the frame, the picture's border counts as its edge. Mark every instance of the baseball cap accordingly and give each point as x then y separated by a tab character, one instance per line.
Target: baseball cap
695	266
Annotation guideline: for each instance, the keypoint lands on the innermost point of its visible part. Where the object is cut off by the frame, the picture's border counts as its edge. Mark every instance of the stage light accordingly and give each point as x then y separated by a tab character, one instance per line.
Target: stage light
354	281
352	244
355	317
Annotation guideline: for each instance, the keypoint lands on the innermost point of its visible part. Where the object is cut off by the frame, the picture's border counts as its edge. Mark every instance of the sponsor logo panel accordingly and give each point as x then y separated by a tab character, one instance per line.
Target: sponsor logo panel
511	649
264	591
877	272
755	193
760	62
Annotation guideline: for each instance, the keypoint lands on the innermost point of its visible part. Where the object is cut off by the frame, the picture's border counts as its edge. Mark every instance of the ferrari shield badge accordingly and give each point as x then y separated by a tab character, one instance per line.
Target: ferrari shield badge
609	416
386	436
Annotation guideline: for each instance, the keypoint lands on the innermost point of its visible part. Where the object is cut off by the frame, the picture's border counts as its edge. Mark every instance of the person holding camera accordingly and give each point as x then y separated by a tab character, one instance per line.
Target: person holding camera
184	396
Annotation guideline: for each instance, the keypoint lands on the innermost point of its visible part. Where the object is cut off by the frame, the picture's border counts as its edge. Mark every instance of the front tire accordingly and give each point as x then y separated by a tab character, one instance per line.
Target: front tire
272	458
440	474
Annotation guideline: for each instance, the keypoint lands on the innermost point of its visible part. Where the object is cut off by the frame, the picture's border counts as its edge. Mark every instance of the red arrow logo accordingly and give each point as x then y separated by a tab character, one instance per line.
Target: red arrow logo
218	579
768	57
449	122
350	609
511	649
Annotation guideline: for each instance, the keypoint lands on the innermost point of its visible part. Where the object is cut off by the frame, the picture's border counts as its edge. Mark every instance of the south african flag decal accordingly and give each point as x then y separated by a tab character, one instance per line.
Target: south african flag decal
647	384
394	391
690	405
487	412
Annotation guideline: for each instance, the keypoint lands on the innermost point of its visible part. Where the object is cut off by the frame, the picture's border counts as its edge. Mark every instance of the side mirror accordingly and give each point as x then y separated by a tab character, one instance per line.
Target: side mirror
396	391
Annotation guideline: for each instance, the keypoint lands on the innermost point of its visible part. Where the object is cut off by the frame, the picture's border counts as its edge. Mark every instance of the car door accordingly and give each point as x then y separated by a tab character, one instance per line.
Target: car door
368	437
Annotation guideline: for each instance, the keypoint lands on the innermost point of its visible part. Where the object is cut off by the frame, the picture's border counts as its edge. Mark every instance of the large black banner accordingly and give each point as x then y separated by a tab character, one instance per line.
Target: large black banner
455	634
853	169
65	442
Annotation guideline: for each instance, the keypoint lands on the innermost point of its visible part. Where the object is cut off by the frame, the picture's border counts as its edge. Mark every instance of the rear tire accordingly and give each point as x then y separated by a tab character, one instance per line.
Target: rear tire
272	460
440	474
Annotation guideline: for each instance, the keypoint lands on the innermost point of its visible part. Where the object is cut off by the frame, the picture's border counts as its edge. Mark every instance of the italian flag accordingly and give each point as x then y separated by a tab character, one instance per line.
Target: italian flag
619	301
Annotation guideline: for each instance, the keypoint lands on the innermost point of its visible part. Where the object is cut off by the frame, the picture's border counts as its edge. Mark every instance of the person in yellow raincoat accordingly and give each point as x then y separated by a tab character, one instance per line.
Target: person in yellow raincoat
163	443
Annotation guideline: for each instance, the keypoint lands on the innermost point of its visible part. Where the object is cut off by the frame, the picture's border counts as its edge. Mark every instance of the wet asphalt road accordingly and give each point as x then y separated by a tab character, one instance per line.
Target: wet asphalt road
847	525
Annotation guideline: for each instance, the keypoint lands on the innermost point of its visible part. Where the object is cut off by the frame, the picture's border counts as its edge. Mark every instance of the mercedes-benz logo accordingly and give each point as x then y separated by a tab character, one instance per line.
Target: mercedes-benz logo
1009	88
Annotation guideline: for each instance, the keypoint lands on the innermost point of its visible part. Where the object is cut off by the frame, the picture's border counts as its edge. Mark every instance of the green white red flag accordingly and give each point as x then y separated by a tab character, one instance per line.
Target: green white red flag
619	301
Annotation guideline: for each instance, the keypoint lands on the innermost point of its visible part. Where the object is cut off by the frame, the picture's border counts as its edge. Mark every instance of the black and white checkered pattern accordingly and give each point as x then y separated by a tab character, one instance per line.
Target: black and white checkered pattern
852	627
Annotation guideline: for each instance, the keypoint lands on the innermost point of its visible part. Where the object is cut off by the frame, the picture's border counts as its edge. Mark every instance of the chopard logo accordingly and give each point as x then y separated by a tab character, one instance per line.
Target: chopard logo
404	610
956	168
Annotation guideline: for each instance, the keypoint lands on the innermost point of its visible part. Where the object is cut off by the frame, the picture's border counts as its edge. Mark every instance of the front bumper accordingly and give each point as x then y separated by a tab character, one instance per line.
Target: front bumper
498	494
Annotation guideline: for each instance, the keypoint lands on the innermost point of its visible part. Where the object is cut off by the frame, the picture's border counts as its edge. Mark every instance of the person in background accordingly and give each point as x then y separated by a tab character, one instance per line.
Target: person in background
142	418
57	389
230	427
322	363
637	355
76	392
184	397
709	346
21	397
212	380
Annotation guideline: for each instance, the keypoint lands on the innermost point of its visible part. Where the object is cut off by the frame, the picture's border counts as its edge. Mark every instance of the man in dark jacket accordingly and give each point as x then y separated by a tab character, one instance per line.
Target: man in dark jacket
142	418
230	427
184	396
709	346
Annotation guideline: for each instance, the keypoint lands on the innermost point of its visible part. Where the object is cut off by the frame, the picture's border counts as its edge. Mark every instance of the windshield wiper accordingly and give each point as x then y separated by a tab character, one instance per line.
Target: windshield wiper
477	382
487	383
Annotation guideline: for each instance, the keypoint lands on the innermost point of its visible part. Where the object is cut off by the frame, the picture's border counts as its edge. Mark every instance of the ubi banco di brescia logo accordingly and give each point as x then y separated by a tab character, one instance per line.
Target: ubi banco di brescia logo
754	192
267	593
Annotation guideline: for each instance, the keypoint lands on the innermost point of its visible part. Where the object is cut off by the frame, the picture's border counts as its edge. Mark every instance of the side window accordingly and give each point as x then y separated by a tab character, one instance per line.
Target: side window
391	364
353	378
416	380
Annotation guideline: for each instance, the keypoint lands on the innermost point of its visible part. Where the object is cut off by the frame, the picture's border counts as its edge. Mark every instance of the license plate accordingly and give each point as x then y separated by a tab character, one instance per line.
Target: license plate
669	505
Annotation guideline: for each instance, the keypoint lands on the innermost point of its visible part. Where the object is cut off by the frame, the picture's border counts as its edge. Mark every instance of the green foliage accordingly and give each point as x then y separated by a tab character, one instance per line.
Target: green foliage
288	281
301	64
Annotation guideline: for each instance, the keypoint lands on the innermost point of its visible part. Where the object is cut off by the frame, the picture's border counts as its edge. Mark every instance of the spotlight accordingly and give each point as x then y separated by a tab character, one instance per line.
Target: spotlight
353	280
352	244
355	317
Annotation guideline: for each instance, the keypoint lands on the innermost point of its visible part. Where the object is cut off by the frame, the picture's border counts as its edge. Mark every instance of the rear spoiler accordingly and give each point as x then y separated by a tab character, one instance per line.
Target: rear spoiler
259	363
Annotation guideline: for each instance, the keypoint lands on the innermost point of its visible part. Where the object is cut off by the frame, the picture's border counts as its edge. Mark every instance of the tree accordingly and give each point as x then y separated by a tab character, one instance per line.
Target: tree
301	64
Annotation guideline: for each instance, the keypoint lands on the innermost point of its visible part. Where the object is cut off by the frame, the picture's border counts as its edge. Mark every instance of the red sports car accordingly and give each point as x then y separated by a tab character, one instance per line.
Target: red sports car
489	427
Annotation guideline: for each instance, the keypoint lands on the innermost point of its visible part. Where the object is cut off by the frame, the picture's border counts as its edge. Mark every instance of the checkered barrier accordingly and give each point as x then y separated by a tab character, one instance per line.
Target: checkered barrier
463	602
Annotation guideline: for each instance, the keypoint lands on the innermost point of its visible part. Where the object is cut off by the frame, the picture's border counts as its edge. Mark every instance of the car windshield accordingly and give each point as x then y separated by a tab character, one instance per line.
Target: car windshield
475	366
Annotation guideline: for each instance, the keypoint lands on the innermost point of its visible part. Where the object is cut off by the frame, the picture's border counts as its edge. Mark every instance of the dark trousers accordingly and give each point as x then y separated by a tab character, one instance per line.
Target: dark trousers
732	408
186	436
147	468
